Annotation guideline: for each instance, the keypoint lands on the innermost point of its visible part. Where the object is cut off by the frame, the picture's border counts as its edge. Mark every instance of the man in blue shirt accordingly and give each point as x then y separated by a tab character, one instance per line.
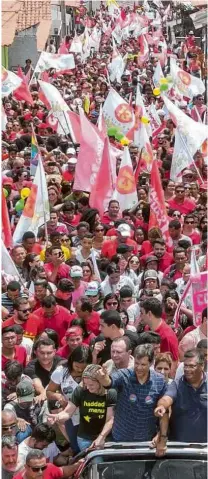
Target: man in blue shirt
188	398
138	391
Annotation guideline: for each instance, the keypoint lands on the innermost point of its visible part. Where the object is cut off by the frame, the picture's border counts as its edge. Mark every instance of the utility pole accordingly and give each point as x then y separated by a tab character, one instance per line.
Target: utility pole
63	19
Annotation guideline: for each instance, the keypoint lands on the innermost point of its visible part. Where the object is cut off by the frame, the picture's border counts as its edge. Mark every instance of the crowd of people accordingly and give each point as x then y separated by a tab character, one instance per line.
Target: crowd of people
91	350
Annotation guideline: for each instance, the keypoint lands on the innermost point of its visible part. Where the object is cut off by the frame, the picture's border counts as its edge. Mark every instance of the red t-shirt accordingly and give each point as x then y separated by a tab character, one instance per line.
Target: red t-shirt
110	246
186	207
195	237
63	271
106	220
51	472
92	324
32	327
169	341
20	356
146	247
177	274
59	321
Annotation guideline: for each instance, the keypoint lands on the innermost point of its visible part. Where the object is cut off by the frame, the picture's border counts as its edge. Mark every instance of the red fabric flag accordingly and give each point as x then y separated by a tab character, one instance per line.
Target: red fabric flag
44	77
63	49
102	189
158	213
23	92
123	14
6	226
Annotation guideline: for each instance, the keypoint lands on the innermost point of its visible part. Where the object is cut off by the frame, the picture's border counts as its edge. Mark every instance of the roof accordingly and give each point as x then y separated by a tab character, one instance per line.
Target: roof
199	18
22	14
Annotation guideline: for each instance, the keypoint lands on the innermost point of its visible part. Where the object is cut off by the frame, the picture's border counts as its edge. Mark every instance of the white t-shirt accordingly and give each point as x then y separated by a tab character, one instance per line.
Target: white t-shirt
80	258
67	385
50	452
134	314
107	288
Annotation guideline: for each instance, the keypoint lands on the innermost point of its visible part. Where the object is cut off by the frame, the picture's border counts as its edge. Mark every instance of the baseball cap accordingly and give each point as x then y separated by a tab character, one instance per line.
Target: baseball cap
92	289
191	32
76	272
72	161
25	391
124	230
150	274
73	331
151	258
70	151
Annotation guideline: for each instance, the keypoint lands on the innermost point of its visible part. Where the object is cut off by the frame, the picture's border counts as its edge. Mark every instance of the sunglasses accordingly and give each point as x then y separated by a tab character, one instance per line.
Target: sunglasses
99	229
38	468
177	215
114	303
189	222
11	426
132	261
25	310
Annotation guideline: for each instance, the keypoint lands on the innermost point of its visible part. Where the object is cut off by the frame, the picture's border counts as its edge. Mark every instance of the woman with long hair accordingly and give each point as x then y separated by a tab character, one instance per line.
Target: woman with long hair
92	217
111	302
30	262
64	380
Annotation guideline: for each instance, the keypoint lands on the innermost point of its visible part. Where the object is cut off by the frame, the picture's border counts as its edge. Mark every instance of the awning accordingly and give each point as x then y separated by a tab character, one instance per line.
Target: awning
199	19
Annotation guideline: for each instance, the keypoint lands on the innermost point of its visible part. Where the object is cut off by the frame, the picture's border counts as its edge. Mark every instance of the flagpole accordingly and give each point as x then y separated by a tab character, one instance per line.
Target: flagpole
189	154
44	213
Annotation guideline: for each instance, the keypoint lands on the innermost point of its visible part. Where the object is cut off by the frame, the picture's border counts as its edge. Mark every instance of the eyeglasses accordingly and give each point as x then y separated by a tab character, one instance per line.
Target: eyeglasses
114	303
133	261
38	468
190	366
25	310
11	426
99	229
189	222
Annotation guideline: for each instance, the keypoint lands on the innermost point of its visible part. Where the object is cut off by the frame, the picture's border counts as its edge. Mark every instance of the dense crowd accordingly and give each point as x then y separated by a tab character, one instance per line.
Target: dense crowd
91	349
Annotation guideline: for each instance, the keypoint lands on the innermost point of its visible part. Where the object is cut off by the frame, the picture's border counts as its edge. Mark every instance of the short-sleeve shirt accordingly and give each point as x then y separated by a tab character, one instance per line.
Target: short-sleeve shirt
34	370
169	341
67	385
188	422
51	472
134	413
93	409
20	356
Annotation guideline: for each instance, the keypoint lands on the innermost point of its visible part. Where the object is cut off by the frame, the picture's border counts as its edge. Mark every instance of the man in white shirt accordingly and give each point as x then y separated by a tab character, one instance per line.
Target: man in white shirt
43	437
203	347
121	357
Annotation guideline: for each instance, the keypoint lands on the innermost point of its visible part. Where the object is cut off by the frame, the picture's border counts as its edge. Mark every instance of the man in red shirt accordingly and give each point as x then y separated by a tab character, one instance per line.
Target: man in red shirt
74	338
56	269
109	247
31	323
112	214
175	271
151	312
37	467
84	310
54	316
10	351
180	203
29	243
159	250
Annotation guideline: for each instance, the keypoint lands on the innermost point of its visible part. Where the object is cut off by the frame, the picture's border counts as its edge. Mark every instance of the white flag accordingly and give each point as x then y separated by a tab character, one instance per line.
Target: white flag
125	191
117	65
58	116
77	43
181	159
36	211
117	112
9	82
158	74
9	270
194	132
186	84
4	118
56	61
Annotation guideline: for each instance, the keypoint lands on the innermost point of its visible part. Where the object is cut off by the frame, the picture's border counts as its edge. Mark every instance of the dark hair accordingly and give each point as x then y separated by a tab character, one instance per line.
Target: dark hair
203	344
192	353
163	357
159	241
178	250
144	350
113	201
13	369
18	329
13	286
68	206
126	340
85	304
82	354
112	268
167	282
43	342
83	224
111	317
49	301
41	282
28	235
88	236
149	337
65	285
110	296
88	264
7	329
152	305
126	292
175	224
43	432
183	243
89	216
34	454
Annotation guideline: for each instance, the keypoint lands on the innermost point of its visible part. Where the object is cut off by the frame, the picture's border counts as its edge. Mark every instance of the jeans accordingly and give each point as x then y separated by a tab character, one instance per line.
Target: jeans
83	443
21	435
72	431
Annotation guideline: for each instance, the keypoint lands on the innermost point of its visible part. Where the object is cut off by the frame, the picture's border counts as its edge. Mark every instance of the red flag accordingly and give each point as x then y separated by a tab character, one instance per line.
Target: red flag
6	226
123	14
63	49
44	77
102	189
158	213
75	123
23	92
28	75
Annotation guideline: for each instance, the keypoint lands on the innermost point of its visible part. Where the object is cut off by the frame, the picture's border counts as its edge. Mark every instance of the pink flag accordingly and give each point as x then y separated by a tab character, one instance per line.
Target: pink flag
63	49
158	213
102	189
90	155
23	92
143	54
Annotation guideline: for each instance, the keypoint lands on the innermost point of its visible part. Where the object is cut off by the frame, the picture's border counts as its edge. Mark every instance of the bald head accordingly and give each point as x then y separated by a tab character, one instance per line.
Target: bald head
9	423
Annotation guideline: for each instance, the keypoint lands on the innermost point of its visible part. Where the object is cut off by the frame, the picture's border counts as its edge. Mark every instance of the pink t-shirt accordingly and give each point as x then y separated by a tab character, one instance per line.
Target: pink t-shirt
79	292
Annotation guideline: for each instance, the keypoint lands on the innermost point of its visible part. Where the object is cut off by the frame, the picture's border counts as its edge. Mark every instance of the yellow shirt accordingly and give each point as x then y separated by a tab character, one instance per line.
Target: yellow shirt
66	252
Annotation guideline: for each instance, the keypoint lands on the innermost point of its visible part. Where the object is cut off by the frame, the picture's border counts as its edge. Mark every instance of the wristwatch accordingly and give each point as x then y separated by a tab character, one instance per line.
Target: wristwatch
164	435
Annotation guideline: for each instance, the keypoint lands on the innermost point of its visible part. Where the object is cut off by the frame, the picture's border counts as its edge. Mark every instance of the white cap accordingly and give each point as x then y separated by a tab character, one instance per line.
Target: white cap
70	151
191	32
76	272
72	161
160	112
124	230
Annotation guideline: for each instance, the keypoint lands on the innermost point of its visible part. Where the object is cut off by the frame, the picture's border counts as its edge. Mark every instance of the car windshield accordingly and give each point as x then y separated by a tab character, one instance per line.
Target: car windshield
153	469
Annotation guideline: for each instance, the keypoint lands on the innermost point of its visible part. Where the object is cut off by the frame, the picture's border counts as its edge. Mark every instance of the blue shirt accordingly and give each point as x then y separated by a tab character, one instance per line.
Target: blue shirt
188	421
134	413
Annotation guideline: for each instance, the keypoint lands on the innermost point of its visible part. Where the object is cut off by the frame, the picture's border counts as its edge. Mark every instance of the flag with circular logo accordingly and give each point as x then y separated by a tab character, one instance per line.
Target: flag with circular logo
125	191
117	112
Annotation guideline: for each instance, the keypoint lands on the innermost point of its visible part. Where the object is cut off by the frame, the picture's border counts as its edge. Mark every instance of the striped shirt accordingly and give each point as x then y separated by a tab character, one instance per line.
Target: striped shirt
7	303
134	413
